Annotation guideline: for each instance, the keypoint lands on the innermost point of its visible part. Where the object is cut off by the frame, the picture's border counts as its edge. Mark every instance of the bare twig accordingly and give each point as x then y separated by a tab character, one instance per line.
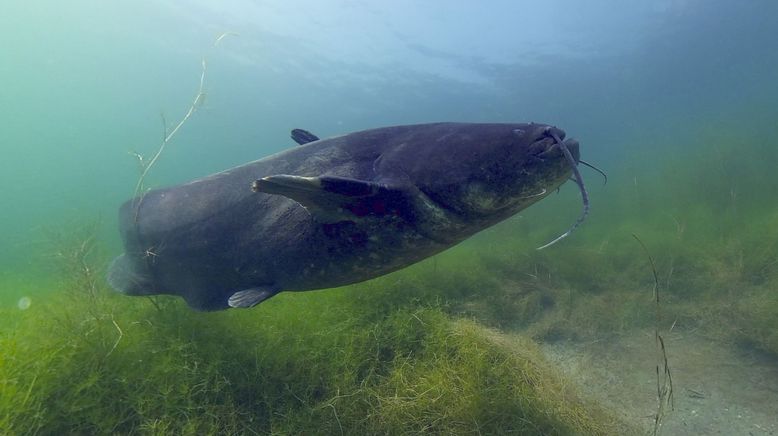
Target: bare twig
222	36
146	166
664	379
168	136
335	412
121	335
153	300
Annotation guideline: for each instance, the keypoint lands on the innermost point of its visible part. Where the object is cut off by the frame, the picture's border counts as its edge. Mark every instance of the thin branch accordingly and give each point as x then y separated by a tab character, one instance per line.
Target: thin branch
192	108
664	381
121	335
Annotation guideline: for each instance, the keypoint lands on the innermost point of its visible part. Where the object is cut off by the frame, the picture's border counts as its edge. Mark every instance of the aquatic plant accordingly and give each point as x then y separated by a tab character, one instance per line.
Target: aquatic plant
664	378
375	361
715	241
145	165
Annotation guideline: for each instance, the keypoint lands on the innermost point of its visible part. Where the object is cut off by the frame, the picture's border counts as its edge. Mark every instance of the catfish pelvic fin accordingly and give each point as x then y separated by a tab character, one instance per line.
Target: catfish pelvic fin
251	297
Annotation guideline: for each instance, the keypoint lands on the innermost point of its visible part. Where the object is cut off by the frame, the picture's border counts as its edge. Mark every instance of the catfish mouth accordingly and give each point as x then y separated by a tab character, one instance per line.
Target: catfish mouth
555	150
550	144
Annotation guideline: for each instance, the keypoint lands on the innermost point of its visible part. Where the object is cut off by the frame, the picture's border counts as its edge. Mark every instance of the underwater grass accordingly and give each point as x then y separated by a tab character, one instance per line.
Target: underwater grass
713	234
724	282
337	362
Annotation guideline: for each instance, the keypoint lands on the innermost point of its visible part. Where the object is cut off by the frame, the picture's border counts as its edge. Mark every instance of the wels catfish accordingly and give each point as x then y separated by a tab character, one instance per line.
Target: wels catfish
335	211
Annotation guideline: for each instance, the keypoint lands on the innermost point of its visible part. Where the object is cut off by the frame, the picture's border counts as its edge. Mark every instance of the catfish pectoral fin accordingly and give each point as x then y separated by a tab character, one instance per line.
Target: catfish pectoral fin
301	187
333	199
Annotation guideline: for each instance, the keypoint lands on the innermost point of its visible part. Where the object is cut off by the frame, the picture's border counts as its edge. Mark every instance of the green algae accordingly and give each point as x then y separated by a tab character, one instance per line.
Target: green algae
313	363
385	357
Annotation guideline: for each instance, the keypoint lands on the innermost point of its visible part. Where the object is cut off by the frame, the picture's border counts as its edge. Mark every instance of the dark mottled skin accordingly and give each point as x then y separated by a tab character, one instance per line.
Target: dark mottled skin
441	183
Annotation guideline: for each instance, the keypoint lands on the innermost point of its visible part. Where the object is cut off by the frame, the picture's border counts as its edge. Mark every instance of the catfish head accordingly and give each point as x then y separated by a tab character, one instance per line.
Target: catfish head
484	173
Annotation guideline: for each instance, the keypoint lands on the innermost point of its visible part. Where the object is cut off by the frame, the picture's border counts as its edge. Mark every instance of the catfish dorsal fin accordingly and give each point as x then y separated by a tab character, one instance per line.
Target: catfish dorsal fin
301	136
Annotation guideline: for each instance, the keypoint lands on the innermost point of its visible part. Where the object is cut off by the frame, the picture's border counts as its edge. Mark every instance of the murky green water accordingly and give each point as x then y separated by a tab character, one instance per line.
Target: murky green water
675	100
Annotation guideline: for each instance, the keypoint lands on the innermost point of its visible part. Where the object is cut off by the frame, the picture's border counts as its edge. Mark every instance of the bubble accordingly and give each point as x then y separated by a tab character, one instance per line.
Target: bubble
24	303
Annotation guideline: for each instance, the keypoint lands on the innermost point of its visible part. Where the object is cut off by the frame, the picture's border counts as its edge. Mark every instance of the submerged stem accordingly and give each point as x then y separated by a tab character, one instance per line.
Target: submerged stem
192	108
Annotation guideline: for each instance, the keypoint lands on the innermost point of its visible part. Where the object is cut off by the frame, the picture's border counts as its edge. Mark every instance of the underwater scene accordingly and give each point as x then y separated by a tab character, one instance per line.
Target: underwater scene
501	217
